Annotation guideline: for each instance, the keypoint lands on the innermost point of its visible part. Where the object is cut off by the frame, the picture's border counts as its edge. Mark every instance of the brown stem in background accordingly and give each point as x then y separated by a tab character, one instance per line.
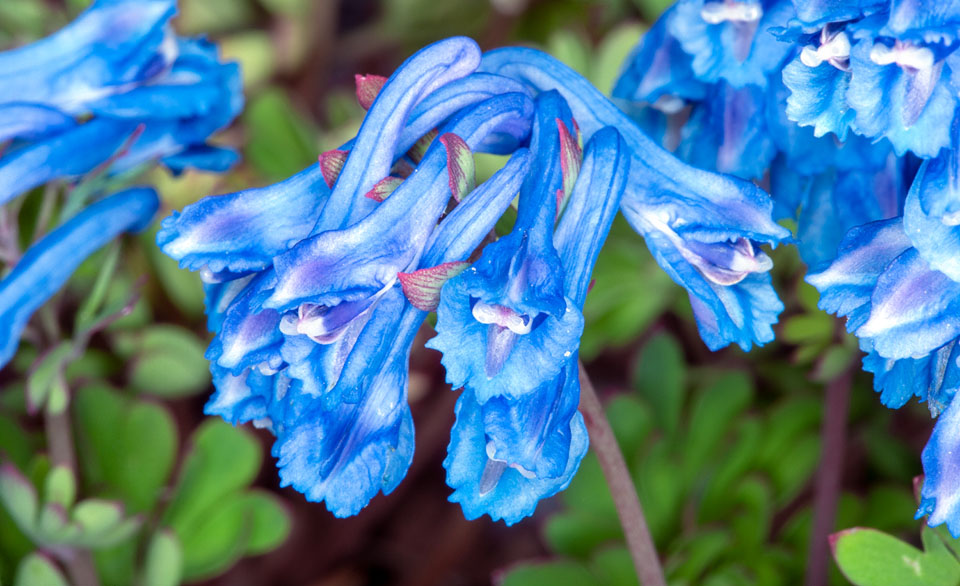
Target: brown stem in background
829	474
634	524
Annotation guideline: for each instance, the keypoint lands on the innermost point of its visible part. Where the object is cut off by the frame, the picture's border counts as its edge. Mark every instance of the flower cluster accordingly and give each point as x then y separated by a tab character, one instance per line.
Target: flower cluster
848	112
110	93
317	285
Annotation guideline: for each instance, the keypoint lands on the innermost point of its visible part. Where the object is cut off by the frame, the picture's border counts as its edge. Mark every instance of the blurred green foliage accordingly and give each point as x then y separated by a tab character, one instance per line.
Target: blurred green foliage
720	473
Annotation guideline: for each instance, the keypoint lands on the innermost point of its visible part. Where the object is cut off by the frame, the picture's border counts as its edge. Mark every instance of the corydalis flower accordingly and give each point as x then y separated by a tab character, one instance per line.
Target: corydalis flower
112	47
165	112
506	453
693	220
47	265
343	452
502	323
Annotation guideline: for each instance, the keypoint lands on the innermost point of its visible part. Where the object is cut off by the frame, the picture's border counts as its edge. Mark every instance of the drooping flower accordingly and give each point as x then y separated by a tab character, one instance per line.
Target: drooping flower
502	323
343	452
703	228
507	453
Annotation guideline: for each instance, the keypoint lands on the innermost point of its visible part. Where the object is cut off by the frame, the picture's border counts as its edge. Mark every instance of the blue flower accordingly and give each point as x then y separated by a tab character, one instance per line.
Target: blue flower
658	71
113	46
818	79
900	91
926	20
356	440
727	133
939	497
336	397
931	216
693	220
507	453
486	483
166	118
343	270
731	40
502	323
933	379
817	13
838	200
47	265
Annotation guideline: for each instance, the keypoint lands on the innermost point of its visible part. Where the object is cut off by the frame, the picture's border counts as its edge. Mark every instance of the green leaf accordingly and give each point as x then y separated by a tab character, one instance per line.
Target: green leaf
87	312
588	491
254	51
836	359
46	376
19	497
289	7
36	570
609	57
737	461
714	412
795	467
164	563
206	16
103	523
785	424
183	288
660	484
128	446
60	487
270	522
280	141
808	328
118	564
218	539
578	533
223	460
698	553
560	573
571	49
890	508
615	566
871	558
754	517
631	420
170	363
660	378
16	445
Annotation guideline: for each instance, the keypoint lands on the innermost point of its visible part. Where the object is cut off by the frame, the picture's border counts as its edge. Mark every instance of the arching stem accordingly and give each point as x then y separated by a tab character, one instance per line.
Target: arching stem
603	442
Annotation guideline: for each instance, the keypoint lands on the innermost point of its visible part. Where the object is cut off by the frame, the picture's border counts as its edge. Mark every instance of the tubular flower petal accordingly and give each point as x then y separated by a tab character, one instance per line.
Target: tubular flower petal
47	265
940	495
343	266
731	39
502	323
671	204
901	93
507	453
113	46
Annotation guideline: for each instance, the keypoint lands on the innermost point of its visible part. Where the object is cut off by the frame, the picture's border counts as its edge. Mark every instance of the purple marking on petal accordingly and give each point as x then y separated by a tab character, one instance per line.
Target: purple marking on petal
500	341
919	87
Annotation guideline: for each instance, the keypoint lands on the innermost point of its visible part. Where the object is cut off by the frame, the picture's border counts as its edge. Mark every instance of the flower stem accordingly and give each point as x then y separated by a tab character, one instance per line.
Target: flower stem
828	483
634	524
